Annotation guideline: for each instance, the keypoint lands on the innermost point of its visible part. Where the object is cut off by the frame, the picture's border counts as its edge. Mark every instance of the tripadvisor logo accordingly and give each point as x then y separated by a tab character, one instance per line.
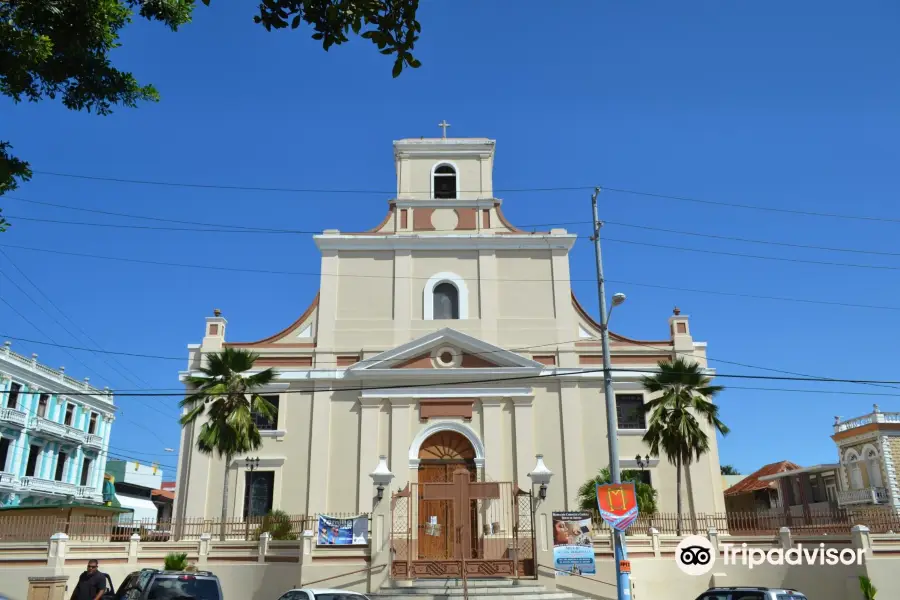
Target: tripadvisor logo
695	555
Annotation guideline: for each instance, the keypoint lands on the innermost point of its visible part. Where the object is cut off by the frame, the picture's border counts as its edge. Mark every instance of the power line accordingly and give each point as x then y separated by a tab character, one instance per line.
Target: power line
755	256
60	311
314	274
749	206
291	190
504	379
751	240
134	354
633	192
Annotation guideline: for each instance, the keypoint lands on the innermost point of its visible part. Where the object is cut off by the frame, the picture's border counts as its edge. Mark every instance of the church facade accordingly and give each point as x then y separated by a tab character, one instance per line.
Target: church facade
444	338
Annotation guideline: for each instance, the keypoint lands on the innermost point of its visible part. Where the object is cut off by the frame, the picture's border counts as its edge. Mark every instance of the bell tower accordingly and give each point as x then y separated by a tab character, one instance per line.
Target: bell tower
444	168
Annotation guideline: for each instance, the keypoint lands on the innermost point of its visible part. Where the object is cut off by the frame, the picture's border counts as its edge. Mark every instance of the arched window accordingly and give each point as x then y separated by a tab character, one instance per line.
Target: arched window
446	301
873	466
445	182
852	464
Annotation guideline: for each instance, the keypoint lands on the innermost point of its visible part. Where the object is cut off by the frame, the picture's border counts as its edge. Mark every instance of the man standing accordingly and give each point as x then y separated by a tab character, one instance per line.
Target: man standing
91	584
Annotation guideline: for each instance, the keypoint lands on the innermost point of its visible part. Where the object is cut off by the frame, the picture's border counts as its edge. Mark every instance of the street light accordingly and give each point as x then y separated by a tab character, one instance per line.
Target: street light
541	476
623	578
642	463
381	477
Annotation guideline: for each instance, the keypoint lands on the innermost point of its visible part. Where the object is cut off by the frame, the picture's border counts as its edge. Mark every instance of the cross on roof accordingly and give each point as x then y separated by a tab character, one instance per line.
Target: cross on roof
444	125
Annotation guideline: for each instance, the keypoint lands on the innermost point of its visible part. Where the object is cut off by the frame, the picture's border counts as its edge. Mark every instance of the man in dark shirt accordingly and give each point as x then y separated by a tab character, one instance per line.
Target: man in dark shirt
91	584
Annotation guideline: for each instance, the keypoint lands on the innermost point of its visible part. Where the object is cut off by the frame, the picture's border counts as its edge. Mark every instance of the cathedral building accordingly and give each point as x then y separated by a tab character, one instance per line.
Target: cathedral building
444	338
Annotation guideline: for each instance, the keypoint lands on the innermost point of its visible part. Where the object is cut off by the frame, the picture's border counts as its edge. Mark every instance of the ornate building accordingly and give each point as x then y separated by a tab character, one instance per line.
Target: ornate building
54	434
444	337
868	447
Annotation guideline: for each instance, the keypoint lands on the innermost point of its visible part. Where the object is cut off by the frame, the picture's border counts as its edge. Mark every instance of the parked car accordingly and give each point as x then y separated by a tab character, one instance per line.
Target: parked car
155	584
322	594
751	593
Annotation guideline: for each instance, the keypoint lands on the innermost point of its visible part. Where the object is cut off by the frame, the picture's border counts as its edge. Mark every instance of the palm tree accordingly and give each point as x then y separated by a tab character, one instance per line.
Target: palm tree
728	470
684	394
646	495
228	398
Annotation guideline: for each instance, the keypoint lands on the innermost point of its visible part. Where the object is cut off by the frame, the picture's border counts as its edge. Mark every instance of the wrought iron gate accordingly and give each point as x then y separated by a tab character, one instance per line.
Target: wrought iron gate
462	528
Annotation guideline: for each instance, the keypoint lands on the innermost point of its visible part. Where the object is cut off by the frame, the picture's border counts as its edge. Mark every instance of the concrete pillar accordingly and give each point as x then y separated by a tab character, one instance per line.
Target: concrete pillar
133	546
369	409
203	550
56	553
784	536
861	539
263	546
654	541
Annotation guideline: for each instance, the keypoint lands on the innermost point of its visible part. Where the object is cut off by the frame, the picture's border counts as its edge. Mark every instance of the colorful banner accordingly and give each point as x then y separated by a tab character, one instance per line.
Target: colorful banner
333	531
573	546
618	504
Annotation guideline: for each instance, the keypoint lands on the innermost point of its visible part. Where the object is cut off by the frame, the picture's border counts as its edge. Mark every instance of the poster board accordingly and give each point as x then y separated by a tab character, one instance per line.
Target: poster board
573	546
333	531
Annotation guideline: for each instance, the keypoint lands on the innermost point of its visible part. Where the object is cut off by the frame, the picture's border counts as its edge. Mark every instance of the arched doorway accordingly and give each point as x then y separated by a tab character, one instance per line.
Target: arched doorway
442	455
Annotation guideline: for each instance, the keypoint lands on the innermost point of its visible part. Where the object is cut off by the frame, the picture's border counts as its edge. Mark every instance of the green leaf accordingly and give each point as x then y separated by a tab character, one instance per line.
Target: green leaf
398	67
296	22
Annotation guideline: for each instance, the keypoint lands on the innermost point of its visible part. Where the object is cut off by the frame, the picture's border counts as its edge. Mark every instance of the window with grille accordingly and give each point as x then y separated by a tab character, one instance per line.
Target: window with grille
445	182
263	423
259	488
630	411
446	301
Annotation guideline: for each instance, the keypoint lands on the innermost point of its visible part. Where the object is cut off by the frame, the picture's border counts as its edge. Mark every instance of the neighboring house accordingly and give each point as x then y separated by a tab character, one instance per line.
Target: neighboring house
730	480
806	489
444	289
168	486
752	494
135	484
868	447
785	486
54	434
164	501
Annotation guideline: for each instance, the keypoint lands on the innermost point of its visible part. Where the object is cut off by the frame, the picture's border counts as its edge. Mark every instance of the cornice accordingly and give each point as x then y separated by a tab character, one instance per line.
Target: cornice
442	203
337	241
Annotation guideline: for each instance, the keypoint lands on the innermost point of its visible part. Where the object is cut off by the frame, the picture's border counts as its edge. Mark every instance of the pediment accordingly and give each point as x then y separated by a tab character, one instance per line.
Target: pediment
446	350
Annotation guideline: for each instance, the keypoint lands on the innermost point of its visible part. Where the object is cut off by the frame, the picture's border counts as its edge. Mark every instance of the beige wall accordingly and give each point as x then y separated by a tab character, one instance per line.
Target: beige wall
371	301
258	572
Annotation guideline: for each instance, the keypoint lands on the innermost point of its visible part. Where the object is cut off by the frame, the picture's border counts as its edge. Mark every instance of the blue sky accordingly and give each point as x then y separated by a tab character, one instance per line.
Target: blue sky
788	106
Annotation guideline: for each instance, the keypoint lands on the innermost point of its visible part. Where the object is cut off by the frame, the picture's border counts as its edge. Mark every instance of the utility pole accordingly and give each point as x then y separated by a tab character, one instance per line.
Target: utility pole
623	580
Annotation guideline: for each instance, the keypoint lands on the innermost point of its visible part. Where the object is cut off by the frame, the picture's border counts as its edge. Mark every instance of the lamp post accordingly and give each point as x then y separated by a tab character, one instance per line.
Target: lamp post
251	465
623	580
381	477
642	463
540	476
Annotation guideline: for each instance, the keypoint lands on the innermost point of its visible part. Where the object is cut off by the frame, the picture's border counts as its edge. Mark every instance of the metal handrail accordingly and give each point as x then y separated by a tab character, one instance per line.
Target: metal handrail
342	575
554	569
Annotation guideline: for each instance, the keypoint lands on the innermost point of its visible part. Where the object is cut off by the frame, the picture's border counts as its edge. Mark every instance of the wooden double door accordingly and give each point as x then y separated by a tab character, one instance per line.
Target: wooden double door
437	526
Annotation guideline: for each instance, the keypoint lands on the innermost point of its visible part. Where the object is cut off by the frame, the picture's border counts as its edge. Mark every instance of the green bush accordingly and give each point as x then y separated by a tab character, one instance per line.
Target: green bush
176	561
278	525
868	590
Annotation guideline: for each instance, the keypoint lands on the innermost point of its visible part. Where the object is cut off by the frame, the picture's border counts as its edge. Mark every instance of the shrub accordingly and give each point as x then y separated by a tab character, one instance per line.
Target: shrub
176	561
278	524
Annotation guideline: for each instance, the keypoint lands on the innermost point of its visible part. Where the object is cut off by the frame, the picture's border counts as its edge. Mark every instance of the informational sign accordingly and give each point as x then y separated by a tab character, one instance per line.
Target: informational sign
342	532
618	504
573	546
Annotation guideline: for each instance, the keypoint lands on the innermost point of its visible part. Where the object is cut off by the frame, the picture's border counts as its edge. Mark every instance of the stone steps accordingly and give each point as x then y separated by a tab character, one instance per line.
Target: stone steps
478	589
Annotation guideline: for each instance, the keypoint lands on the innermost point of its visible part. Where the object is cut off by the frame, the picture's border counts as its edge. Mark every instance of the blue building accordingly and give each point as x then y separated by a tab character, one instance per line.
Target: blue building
54	434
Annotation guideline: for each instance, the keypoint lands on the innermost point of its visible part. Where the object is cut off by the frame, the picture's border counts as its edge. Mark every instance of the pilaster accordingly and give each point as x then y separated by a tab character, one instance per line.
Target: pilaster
403	296
523	436
890	482
328	288
572	440
319	442
401	437
492	435
368	450
488	295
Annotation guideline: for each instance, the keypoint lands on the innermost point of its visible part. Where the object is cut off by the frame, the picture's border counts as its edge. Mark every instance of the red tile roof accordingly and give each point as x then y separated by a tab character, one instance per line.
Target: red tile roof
751	483
163	494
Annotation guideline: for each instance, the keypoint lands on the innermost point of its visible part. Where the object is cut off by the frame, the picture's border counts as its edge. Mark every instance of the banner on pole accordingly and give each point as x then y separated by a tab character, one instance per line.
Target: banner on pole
618	504
573	545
